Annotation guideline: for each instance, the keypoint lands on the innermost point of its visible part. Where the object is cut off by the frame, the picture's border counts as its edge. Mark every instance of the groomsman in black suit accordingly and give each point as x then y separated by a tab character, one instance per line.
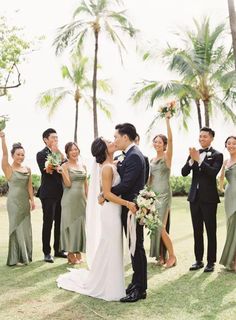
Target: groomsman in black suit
50	193
203	196
132	171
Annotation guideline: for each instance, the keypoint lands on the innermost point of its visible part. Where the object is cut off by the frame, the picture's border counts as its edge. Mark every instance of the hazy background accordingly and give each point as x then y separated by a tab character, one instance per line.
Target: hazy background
157	20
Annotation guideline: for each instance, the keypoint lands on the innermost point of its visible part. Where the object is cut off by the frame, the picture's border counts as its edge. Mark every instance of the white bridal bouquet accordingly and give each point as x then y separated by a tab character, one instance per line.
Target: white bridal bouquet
148	207
3	120
53	160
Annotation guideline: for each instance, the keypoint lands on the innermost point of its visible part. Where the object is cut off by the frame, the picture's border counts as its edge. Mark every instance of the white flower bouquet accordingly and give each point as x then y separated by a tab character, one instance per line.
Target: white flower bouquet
148	207
53	160
3	120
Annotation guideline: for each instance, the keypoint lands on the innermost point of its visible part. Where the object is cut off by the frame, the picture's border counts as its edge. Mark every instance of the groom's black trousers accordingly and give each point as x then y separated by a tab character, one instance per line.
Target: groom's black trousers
139	260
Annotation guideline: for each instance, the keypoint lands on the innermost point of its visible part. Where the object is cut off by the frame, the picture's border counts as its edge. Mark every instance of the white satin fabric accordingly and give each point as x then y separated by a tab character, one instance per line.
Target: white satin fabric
105	277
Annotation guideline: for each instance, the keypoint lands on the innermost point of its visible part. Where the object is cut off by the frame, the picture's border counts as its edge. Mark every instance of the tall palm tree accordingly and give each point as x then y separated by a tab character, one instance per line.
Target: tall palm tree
206	75
94	16
232	21
77	76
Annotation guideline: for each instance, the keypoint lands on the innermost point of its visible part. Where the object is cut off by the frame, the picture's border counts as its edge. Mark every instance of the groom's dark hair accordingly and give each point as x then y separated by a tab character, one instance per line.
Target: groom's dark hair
128	129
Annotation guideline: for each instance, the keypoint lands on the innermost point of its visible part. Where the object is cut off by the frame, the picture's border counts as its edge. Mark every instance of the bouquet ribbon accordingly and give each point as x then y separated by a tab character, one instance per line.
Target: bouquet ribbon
131	232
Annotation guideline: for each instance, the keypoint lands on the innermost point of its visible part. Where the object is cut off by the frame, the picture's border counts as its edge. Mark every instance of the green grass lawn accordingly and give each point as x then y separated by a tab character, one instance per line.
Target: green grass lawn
30	292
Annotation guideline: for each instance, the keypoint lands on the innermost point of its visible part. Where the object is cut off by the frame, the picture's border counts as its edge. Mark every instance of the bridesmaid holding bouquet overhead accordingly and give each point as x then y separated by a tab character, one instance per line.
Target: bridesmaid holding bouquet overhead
228	258
160	182
73	204
20	200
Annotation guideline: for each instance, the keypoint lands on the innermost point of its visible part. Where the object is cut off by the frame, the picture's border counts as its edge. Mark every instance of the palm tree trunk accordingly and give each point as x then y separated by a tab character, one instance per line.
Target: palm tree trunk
76	121
207	117
199	113
232	21
95	119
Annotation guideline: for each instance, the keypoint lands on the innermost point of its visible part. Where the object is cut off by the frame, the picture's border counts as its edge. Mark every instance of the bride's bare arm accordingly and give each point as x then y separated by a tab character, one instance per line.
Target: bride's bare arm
107	176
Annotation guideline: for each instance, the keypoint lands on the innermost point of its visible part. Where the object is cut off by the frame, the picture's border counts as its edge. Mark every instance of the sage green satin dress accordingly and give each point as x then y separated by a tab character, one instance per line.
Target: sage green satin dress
160	183
229	251
20	230
73	205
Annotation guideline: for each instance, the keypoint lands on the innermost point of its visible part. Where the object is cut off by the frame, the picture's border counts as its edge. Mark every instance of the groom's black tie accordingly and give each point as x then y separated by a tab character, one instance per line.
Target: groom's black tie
124	153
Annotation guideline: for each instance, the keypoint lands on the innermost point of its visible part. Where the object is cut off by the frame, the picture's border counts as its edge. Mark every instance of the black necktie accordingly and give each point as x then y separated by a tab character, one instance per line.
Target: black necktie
123	153
203	150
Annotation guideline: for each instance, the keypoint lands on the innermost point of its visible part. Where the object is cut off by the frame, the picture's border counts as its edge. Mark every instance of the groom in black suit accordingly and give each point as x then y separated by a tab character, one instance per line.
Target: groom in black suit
50	193
132	173
203	196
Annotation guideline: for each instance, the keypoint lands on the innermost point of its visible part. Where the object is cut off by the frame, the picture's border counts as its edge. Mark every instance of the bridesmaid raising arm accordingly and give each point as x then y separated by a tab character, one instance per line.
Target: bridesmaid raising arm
18	205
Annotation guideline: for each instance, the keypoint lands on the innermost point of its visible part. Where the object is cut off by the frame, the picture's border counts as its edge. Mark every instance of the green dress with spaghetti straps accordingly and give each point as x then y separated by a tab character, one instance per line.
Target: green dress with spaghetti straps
160	174
229	251
20	230
73	206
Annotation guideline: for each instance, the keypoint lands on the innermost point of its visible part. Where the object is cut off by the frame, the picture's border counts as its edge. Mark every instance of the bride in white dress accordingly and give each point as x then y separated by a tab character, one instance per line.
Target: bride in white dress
105	277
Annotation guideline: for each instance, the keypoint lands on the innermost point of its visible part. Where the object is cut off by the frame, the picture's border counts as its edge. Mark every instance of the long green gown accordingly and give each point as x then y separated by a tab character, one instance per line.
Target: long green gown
20	230
160	174
73	206
229	251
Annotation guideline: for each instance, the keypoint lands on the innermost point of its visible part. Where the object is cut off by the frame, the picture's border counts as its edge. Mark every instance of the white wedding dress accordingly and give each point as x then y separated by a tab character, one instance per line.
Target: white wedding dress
105	278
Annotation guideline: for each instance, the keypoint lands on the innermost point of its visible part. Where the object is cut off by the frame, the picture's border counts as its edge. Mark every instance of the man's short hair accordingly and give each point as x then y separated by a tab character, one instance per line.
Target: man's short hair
47	132
128	129
209	130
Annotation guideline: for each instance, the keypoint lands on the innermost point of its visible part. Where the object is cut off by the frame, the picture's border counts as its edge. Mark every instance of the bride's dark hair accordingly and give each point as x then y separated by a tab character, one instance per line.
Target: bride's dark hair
99	150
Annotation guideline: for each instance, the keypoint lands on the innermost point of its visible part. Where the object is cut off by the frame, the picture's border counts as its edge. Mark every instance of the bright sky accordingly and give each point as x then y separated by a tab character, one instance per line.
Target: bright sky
157	20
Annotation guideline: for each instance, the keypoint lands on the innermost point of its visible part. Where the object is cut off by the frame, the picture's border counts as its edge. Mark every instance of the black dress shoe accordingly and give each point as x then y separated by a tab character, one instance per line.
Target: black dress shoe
60	254
209	267
130	288
134	296
48	258
197	265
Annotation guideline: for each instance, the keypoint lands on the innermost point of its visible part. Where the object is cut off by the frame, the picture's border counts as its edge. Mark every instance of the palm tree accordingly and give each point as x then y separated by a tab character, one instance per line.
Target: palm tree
206	75
232	21
94	16
52	98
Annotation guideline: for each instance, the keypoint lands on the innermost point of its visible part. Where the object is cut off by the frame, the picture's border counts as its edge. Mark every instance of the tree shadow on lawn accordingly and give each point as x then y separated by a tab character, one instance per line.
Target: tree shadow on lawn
191	296
21	284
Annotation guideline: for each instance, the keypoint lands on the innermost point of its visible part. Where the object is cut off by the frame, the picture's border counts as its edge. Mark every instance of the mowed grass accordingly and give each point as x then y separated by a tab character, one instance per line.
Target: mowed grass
30	292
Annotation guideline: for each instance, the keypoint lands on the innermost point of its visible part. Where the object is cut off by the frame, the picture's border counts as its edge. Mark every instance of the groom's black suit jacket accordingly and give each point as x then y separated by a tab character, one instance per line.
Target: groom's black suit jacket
204	177
51	184
132	171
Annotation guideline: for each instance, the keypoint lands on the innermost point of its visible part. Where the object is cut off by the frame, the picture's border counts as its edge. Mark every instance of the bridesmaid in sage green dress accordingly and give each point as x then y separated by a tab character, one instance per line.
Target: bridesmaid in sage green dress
73	204
228	258
160	182
20	200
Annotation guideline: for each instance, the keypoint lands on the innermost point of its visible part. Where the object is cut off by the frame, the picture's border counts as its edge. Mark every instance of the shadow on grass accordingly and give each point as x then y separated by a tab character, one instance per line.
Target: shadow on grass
191	296
24	283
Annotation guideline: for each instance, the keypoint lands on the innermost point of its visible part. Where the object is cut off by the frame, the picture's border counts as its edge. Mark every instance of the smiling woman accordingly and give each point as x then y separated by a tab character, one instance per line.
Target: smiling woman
20	200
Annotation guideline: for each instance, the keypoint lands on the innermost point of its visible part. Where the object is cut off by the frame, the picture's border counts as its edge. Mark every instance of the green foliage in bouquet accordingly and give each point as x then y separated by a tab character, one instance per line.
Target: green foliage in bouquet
148	207
3	120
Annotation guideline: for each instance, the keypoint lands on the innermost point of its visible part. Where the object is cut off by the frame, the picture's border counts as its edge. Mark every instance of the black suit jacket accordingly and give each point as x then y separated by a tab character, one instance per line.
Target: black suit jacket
51	184
132	171
204	177
146	164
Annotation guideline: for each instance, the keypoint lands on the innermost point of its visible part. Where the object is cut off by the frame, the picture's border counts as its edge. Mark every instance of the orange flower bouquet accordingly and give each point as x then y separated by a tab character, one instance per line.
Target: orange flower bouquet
169	107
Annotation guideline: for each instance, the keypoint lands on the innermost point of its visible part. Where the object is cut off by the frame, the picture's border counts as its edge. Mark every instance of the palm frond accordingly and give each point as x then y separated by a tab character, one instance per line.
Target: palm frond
52	98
